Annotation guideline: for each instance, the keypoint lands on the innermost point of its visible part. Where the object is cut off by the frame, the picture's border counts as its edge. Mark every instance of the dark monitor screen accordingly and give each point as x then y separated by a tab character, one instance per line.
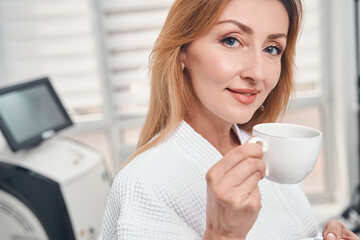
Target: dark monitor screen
31	112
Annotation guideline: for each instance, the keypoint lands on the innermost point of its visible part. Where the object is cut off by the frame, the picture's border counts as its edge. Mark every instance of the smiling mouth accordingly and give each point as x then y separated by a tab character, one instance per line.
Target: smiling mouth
246	92
245	96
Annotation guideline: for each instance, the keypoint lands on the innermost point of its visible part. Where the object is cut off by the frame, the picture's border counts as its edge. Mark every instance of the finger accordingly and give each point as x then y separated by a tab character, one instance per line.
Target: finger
246	168
240	153
332	230
231	159
254	198
346	234
245	198
248	189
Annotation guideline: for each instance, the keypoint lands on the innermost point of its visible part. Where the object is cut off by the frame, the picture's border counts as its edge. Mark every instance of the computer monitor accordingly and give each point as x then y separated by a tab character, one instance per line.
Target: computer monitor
31	112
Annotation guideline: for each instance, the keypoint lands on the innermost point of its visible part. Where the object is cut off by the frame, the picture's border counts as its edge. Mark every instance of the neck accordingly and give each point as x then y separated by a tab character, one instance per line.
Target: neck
218	133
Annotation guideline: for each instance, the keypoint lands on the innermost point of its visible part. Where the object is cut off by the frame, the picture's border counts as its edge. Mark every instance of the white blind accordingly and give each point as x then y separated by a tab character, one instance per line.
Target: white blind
131	28
55	39
309	49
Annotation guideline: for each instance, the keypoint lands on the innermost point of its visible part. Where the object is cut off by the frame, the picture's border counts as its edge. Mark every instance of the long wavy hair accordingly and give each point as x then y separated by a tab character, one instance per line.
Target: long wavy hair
171	91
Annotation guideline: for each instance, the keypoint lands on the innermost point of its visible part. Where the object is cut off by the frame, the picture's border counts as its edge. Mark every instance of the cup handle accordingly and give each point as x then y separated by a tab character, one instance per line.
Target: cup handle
259	141
263	145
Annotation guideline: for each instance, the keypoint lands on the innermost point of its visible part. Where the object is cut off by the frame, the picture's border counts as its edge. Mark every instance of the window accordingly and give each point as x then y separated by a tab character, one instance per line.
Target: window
129	29
310	106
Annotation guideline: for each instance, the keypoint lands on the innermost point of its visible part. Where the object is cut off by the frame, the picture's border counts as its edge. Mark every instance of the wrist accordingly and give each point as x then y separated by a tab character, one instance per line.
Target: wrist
211	235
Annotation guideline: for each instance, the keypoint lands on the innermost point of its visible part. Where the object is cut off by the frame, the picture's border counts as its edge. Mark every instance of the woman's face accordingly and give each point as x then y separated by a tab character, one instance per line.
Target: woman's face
234	67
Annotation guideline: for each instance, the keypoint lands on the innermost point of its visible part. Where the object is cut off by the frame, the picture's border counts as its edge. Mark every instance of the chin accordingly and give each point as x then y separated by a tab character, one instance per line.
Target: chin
239	119
242	118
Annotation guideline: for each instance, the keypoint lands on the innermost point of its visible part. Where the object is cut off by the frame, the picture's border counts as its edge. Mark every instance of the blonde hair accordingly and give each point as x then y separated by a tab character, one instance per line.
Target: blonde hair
171	91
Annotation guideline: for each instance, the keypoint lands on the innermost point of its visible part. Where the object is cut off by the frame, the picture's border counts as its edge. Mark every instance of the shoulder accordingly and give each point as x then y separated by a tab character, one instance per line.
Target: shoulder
166	173
139	199
154	168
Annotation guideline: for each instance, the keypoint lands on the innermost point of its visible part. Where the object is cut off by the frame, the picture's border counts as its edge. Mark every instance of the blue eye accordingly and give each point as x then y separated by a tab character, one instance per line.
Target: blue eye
231	42
273	50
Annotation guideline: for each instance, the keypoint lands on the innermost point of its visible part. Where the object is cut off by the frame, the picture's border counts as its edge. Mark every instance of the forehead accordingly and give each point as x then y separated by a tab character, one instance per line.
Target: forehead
270	15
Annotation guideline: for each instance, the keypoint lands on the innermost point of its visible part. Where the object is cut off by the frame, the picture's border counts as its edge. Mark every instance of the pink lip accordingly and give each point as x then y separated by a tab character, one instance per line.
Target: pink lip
244	95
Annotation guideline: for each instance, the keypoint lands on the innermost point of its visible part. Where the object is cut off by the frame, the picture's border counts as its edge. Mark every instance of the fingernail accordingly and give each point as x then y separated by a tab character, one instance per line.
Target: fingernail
330	236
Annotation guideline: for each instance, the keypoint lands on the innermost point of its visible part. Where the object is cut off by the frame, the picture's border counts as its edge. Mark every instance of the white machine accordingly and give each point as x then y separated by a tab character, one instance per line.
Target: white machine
57	190
51	188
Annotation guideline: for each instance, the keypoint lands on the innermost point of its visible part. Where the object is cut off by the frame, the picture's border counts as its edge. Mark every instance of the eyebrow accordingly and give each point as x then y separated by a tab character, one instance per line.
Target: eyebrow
248	29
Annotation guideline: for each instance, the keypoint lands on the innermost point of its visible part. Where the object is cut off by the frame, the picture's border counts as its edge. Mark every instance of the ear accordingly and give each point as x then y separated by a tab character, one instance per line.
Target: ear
183	55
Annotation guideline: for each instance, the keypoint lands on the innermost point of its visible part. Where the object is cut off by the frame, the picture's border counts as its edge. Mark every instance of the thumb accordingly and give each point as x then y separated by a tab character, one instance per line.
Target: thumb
332	230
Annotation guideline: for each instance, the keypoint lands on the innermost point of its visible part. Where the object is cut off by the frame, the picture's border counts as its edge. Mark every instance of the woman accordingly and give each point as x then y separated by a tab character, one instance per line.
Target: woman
215	63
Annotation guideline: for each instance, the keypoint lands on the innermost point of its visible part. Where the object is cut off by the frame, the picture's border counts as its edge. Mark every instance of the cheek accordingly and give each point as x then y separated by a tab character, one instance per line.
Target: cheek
218	72
225	69
210	66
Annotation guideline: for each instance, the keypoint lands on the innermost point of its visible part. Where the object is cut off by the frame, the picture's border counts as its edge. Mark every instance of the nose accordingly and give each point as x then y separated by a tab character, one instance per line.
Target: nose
252	67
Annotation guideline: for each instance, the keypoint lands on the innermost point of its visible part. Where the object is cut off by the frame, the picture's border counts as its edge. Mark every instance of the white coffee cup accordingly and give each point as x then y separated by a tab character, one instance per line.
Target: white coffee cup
290	151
